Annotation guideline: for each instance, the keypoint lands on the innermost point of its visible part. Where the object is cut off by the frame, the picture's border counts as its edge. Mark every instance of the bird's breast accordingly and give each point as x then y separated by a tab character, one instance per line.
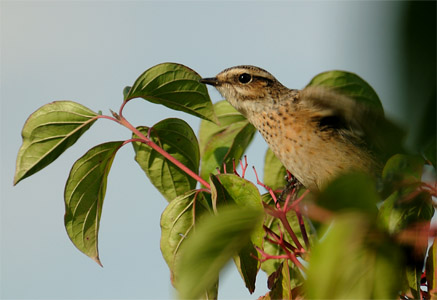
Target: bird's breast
314	157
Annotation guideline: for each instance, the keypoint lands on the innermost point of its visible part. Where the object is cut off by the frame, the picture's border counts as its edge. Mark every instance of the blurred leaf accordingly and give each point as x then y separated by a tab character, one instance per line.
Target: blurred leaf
224	142
431	270
177	138
176	87
229	189
48	132
424	139
430	151
84	194
348	84
354	261
353	191
397	213
178	221
214	242
405	205
402	170
274	171
413	277
387	215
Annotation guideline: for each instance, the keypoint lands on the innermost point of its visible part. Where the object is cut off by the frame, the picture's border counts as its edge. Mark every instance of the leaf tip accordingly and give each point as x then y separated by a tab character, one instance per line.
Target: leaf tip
97	260
17	178
126	91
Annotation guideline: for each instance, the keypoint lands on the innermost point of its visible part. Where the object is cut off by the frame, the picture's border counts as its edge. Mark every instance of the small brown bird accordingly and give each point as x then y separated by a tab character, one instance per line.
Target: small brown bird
316	133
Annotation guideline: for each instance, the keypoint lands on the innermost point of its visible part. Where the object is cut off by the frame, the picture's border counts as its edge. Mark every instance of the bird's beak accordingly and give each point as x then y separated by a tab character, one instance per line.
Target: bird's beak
211	81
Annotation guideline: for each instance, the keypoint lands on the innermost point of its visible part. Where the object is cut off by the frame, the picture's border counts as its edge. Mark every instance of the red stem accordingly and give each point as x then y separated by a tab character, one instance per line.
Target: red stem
121	120
284	221
161	151
302	228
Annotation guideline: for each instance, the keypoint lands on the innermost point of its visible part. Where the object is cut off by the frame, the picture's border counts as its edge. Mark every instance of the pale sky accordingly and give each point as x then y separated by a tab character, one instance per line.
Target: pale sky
88	51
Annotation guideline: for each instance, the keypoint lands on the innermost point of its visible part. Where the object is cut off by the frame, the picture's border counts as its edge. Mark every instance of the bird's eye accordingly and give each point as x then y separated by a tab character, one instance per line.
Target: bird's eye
245	78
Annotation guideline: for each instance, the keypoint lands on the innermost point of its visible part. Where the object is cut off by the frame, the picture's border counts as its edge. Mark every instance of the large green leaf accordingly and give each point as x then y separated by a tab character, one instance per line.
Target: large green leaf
274	171
178	221
406	206
220	144
402	177
212	245
175	86
348	84
84	194
354	261
353	191
226	115
177	138
48	132
402	171
229	189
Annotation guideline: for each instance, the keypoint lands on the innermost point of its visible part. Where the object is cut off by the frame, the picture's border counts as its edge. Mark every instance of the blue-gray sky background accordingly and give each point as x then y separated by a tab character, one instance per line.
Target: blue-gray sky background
88	51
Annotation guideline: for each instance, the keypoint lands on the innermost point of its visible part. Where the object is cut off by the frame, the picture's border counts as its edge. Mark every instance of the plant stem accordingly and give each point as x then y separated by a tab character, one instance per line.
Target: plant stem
302	227
283	218
161	151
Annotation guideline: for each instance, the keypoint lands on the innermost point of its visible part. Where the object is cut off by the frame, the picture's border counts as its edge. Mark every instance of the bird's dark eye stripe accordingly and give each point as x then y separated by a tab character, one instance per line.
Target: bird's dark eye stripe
268	80
247	78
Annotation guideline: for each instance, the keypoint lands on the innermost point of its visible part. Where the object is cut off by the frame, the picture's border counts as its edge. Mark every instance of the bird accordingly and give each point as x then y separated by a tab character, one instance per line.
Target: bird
316	133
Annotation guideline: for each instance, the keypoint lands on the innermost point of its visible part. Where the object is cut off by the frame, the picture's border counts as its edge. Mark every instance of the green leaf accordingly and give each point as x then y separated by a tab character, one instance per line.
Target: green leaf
212	245
126	91
413	277
175	86
402	177
281	282
431	269
348	84
274	171
248	265
48	132
177	138
354	261
84	194
221	144
430	151
178	221
402	170
229	189
226	115
396	214
353	191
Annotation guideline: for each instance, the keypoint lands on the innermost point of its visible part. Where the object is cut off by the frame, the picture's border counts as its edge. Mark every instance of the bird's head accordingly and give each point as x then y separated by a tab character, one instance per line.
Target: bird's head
247	87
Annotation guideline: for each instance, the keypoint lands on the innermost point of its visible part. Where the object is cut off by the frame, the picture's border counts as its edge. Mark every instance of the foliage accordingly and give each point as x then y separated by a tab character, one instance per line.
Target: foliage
357	238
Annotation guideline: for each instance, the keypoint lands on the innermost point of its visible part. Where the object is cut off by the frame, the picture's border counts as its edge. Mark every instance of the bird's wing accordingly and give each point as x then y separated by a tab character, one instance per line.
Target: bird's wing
355	120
